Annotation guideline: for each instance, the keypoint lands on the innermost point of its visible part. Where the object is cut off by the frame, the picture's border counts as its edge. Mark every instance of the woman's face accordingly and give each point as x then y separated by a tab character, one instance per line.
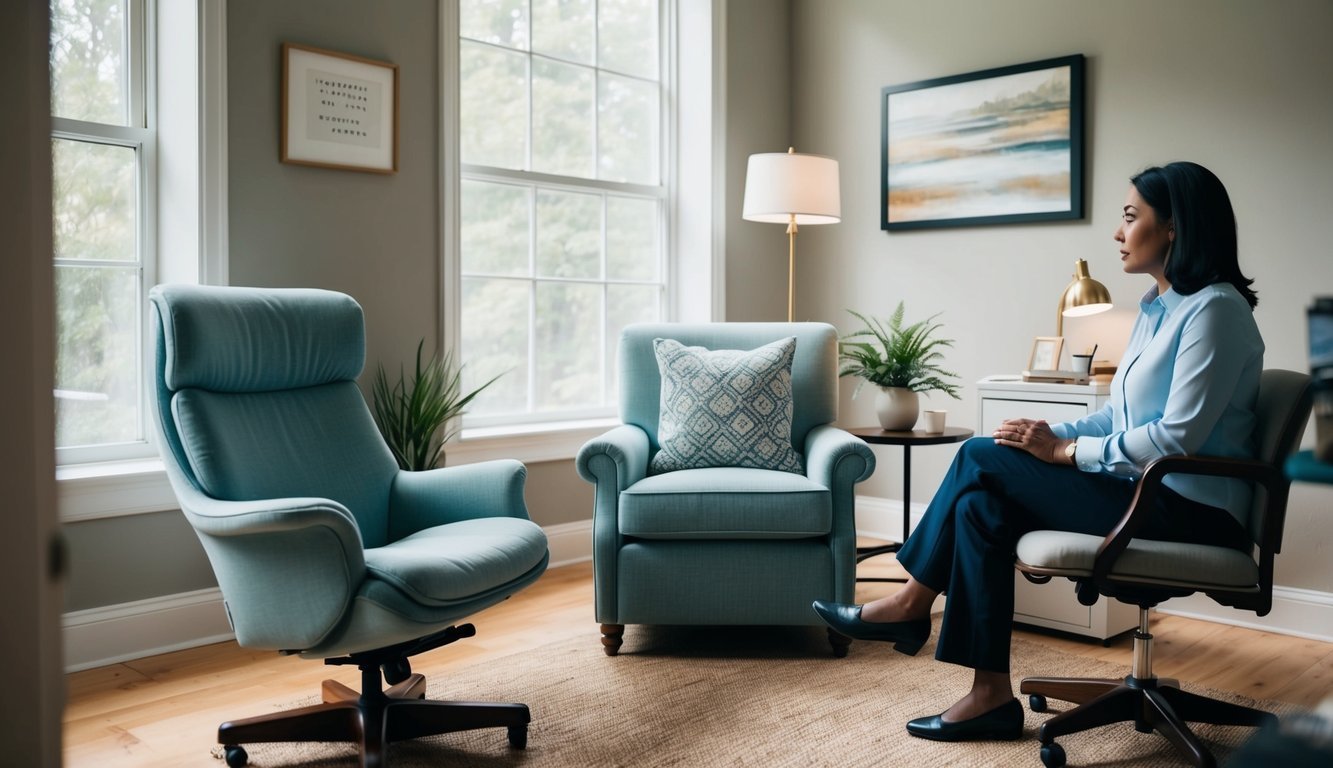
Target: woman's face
1143	239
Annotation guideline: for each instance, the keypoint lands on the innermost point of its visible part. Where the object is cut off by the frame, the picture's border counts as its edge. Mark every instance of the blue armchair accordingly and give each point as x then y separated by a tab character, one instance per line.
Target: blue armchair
724	545
321	546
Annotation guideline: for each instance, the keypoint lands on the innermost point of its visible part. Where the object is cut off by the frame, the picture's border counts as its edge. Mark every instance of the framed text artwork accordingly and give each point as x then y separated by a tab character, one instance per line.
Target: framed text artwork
338	110
991	147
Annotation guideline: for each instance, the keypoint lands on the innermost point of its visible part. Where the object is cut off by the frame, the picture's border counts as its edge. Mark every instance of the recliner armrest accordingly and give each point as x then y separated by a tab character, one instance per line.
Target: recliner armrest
835	457
619	456
420	500
287	567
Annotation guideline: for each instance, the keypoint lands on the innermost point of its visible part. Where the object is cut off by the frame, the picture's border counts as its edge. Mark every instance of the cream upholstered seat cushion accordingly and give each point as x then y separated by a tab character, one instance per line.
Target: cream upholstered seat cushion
1145	560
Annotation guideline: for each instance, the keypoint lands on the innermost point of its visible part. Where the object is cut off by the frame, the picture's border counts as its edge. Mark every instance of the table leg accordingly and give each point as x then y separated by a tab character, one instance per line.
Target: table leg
863	553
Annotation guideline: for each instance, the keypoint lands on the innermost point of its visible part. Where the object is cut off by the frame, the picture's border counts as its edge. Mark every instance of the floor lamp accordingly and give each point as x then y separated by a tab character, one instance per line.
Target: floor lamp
792	189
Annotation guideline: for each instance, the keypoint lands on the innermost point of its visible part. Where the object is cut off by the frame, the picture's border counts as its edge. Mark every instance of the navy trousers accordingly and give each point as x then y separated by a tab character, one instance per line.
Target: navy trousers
991	496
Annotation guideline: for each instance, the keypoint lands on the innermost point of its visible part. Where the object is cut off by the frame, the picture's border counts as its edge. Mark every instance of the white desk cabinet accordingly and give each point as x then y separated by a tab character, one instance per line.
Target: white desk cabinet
1051	605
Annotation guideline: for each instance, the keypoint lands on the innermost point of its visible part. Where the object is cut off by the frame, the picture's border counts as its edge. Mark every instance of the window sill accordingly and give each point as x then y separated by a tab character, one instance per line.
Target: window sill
112	489
117	488
529	443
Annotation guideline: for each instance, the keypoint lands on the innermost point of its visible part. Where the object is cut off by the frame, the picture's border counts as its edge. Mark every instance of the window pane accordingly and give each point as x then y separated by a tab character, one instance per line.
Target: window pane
564	29
627	129
93	205
627	36
493	106
494	228
569	235
632	239
88	60
568	349
495	341
502	22
562	115
97	355
626	304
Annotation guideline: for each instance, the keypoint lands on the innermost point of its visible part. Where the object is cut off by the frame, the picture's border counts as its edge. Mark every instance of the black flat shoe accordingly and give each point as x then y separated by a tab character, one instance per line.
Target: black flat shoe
1004	723
907	636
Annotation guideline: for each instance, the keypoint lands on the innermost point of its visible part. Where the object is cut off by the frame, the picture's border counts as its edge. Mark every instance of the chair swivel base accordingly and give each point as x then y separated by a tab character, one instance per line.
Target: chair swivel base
1153	704
377	716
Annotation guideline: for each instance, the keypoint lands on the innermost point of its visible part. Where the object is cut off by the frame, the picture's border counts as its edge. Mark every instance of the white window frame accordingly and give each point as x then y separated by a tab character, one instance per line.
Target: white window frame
455	171
139	135
693	231
189	43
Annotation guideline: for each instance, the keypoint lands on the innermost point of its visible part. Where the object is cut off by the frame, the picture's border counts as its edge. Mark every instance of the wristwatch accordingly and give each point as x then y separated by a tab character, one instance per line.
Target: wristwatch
1069	451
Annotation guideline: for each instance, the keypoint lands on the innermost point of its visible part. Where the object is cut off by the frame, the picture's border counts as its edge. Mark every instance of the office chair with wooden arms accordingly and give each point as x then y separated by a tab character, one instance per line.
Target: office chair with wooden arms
1145	573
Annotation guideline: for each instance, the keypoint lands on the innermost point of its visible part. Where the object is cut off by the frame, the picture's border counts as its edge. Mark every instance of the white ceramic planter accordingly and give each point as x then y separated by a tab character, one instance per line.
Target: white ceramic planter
897	408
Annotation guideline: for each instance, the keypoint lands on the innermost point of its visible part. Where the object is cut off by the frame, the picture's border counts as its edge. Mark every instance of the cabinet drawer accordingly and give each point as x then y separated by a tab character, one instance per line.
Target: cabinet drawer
1050	605
995	410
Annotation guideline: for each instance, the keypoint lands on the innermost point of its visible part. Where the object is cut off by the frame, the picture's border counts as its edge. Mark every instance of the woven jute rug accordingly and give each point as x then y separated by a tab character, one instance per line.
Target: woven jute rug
690	696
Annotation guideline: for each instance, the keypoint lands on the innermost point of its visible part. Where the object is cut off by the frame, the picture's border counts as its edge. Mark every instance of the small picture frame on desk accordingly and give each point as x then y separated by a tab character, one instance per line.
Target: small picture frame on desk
1045	353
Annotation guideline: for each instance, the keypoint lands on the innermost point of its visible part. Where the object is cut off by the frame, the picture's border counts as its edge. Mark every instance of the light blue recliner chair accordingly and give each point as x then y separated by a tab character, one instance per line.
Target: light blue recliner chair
724	545
320	544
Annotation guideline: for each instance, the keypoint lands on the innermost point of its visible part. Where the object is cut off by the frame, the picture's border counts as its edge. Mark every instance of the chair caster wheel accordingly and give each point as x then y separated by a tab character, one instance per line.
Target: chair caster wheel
235	756
1037	703
1052	755
518	736
396	671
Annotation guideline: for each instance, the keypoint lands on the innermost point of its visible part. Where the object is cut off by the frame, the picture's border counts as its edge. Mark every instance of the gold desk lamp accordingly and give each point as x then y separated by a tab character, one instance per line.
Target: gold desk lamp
1083	296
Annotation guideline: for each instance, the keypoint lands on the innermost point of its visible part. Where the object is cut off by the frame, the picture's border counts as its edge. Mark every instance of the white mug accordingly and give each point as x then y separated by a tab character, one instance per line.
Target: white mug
1082	364
935	421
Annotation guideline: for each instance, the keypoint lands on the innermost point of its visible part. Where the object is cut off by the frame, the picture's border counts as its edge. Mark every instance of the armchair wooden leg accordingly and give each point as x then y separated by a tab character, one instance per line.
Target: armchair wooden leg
612	638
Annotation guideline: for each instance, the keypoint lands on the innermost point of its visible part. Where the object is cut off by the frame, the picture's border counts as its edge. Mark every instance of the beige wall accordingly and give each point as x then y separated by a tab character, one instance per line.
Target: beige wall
758	119
1242	88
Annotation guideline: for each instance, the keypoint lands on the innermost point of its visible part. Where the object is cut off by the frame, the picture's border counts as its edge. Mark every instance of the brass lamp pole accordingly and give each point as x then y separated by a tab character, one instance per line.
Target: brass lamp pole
790	188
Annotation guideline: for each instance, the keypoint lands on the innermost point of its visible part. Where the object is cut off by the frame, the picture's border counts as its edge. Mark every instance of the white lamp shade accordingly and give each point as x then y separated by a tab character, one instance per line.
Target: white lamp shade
781	184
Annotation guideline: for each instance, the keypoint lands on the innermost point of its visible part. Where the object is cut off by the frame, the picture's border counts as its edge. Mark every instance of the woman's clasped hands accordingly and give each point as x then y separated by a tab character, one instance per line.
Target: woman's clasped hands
1034	436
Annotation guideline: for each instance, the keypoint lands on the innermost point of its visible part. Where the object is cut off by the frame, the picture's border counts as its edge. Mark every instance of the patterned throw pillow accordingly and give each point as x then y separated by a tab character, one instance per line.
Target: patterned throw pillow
725	407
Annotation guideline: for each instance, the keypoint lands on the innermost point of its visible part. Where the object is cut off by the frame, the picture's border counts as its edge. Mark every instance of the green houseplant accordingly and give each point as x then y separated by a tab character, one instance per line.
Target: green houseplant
901	360
418	416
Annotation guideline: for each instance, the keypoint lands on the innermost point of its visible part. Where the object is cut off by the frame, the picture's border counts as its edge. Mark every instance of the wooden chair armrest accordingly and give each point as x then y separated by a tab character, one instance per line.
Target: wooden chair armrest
1150	485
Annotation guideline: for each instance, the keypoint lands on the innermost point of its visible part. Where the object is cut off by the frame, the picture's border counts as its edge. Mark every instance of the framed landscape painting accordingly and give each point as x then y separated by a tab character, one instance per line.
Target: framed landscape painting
997	146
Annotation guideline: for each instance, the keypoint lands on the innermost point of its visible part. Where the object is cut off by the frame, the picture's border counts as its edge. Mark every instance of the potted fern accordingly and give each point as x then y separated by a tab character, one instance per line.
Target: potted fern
418	416
901	361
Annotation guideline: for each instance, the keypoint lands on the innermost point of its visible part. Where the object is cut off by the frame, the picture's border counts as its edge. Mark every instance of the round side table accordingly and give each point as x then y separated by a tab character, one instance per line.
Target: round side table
907	439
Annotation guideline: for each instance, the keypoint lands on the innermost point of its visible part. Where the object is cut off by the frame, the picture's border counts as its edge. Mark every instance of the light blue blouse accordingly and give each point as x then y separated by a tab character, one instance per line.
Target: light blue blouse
1187	384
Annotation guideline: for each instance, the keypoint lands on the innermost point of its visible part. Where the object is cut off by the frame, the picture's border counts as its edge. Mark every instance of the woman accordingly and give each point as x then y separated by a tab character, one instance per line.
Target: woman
1187	385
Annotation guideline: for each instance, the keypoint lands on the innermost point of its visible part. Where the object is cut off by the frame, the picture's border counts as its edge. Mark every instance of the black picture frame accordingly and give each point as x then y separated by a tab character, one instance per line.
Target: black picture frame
998	146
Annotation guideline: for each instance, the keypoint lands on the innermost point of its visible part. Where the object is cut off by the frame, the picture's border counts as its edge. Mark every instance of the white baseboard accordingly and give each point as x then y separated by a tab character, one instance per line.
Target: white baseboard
881	518
99	636
569	542
111	634
1299	612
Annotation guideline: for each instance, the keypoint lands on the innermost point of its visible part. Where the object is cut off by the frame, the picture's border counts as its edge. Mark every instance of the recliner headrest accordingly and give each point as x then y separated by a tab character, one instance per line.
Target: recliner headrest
230	339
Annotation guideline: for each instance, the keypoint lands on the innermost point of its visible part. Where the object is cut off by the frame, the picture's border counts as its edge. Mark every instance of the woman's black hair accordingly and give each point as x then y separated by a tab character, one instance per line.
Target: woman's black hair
1195	202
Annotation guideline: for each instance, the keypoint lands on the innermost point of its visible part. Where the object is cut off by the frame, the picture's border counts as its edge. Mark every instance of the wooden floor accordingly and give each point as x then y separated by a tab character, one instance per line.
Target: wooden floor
164	710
